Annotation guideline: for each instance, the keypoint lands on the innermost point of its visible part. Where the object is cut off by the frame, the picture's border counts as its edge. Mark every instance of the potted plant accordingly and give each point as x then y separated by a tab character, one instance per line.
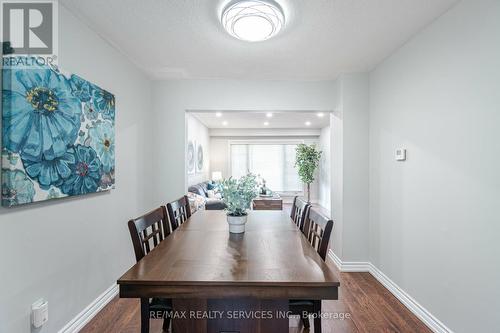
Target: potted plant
307	160
238	194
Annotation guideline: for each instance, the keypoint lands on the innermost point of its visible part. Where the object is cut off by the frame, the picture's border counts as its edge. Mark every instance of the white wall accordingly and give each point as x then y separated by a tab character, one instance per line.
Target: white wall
70	250
198	132
350	171
337	189
355	109
434	226
324	172
172	98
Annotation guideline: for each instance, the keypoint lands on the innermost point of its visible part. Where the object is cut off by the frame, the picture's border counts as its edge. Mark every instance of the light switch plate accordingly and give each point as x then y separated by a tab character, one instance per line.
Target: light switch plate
400	154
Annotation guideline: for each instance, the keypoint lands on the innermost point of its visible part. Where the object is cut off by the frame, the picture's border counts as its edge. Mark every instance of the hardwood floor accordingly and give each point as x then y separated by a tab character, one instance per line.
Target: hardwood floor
366	305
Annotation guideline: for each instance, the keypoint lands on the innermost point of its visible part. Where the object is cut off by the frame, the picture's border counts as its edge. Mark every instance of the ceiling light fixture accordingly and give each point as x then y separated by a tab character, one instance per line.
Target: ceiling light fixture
269	115
253	20
218	114
308	123
224	123
321	114
266	123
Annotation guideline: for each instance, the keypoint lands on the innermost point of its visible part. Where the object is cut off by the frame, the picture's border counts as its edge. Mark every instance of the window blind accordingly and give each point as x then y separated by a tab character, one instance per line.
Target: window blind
273	162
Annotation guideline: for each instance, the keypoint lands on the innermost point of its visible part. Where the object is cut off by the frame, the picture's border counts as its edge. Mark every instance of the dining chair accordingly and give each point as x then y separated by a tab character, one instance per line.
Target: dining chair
299	211
147	232
317	229
178	211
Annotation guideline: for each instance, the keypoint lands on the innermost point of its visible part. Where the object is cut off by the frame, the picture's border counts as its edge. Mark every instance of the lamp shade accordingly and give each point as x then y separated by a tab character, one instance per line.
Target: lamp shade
216	175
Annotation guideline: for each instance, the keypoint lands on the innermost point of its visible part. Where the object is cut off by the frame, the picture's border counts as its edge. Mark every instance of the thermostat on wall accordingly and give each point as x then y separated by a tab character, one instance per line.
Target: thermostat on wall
39	313
400	154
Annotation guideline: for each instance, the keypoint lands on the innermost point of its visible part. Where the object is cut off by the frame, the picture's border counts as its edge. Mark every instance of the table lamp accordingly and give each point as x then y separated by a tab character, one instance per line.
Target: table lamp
216	176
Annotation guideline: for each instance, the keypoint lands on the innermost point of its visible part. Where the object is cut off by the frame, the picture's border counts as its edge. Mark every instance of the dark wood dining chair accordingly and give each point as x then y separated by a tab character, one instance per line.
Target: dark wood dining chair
147	232
299	211
178	211
317	229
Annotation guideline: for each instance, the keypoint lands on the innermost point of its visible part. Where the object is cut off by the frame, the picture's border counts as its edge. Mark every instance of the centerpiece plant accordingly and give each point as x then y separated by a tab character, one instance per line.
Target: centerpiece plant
238	194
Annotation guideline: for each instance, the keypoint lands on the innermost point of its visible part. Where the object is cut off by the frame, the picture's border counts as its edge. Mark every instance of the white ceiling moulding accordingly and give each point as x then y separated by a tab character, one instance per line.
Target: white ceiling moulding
261	119
264	110
264	132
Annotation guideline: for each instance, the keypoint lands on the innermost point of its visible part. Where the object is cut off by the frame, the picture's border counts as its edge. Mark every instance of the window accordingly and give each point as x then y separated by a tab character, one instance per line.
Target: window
274	162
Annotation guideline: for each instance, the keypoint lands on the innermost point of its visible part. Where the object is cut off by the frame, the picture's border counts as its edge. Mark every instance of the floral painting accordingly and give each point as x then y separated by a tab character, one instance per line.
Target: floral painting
58	135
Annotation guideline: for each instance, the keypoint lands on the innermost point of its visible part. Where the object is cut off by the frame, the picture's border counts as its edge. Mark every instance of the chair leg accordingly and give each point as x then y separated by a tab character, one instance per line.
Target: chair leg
306	323
144	315
317	318
166	324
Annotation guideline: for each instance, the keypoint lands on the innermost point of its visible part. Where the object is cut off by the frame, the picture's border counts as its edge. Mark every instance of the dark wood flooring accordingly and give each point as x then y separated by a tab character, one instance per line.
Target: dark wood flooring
367	304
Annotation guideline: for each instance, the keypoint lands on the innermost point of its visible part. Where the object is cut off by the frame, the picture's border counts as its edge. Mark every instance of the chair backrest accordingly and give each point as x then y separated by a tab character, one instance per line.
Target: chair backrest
148	231
178	211
318	229
299	211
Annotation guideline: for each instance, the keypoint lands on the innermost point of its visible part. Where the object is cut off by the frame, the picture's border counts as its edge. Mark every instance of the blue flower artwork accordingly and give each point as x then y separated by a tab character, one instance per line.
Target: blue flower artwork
58	135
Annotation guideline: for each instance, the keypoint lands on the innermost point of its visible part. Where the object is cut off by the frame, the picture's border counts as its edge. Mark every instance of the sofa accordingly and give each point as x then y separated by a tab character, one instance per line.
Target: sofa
210	203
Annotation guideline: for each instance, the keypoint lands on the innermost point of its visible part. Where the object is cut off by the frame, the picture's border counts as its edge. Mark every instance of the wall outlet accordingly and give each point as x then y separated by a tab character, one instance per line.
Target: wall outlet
400	154
39	313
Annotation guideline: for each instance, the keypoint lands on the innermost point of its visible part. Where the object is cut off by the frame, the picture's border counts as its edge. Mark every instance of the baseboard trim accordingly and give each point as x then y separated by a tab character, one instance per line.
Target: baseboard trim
81	319
418	310
349	266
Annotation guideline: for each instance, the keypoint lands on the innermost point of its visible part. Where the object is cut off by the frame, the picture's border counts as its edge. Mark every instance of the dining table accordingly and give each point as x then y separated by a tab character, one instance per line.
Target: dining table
221	282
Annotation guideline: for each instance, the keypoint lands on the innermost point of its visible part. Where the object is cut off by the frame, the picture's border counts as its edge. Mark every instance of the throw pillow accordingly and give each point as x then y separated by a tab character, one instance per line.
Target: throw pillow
196	202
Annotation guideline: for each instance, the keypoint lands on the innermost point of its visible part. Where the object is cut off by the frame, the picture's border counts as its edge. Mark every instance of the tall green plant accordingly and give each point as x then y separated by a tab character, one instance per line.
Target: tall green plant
238	194
307	161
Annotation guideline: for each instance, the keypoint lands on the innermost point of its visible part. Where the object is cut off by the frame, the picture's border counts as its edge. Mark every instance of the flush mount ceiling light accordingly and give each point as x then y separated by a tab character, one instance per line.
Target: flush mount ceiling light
253	20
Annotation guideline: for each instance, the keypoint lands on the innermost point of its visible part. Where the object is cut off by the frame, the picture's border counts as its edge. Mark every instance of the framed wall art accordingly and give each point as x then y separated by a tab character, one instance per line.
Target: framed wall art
58	135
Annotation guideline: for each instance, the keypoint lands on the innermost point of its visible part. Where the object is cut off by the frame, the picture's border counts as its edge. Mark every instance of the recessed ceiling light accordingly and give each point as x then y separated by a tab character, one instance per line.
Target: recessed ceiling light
308	123
224	123
253	20
321	114
269	115
218	114
266	123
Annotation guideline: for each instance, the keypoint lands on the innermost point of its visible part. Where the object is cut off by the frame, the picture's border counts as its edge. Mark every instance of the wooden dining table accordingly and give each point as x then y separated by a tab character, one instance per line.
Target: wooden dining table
226	283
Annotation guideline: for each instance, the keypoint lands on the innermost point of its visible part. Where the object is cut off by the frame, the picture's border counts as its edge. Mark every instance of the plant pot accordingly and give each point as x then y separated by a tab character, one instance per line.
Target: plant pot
236	224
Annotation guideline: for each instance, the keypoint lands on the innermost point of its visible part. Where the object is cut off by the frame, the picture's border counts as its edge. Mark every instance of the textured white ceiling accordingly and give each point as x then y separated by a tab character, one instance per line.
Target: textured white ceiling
293	120
321	39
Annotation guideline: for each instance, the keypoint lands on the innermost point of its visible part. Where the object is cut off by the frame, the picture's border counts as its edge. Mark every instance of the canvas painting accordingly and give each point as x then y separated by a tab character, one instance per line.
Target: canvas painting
58	135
